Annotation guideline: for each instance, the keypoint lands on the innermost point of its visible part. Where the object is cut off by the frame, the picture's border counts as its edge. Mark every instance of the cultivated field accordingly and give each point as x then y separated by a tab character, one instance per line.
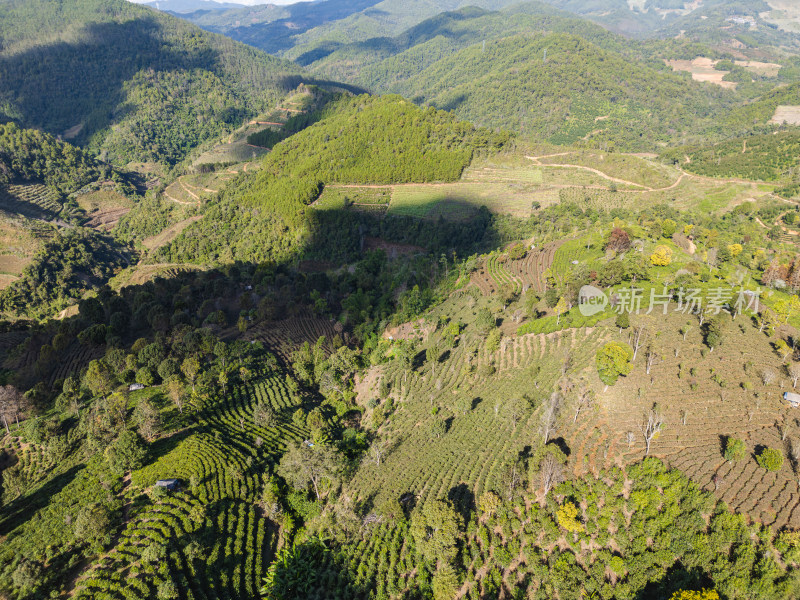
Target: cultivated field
214	460
786	114
702	69
104	208
30	200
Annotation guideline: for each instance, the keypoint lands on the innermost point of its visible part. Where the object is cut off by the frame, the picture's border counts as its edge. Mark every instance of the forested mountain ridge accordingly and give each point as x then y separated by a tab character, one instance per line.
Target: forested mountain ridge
559	87
30	155
130	83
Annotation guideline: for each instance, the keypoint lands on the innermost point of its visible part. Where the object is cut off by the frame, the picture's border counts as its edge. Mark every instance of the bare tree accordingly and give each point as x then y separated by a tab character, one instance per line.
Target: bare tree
651	357
684	415
551	472
512	478
794	372
12	403
768	375
783	428
651	425
639	335
550	412
378	449
583	401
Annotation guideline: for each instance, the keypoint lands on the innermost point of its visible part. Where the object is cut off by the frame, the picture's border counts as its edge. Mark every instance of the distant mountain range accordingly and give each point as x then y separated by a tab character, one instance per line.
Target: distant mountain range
192	6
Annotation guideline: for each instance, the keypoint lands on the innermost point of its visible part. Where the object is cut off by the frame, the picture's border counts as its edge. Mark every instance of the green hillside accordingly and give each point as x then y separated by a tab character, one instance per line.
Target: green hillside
130	83
579	92
358	140
403	56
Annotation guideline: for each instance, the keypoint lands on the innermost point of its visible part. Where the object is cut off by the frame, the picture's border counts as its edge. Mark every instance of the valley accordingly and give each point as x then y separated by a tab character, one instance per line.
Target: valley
381	300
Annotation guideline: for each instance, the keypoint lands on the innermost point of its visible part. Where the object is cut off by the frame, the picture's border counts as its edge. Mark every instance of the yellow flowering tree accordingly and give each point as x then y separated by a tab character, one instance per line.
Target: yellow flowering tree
567	517
662	256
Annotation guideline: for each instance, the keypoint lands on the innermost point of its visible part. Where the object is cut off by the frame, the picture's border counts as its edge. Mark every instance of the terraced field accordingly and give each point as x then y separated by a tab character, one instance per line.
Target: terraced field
31	200
481	443
283	337
220	462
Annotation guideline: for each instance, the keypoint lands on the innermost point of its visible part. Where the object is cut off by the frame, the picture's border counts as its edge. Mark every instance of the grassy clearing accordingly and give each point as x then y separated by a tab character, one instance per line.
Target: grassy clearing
459	201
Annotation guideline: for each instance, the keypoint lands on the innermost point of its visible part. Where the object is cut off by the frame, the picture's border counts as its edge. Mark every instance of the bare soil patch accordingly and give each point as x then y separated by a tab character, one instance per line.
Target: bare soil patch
702	69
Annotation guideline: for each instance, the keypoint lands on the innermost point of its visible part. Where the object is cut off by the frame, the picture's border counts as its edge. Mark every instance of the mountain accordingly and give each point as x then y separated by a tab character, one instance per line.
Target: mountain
191	6
127	82
298	28
555	86
359	140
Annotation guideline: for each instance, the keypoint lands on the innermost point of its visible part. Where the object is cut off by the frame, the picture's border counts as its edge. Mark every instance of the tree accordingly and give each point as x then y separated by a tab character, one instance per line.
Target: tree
319	467
432	354
703	594
770	459
794	372
768	319
783	349
651	426
613	360
567	517
435	527
489	503
99	378
93	524
438	428
560	308
264	415
619	240
485	320
175	392
145	376
662	256
735	449
127	452
147	419
463	404
516	409
190	368
623	321
445	583
715	331
668	228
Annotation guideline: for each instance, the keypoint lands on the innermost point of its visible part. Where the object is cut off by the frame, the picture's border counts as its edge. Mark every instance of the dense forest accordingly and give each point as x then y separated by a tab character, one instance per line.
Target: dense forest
30	155
554	86
63	71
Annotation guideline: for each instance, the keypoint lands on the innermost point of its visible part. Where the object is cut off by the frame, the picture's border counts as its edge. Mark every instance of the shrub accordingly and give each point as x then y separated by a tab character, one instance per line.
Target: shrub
770	459
735	449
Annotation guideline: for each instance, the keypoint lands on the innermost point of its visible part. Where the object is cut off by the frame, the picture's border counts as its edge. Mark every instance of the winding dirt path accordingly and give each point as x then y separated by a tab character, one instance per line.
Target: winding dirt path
537	161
